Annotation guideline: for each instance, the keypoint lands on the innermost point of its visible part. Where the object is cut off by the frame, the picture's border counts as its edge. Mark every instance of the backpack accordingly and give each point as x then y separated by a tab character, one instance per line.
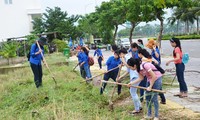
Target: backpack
90	61
185	58
29	53
160	69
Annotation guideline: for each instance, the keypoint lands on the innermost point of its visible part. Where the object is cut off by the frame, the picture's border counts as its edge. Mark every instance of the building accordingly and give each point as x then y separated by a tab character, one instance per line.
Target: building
16	17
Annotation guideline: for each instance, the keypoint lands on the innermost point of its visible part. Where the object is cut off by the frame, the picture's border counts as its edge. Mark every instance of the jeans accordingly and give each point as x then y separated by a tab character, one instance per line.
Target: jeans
180	75
82	71
152	97
100	62
106	77
87	71
134	95
37	71
143	83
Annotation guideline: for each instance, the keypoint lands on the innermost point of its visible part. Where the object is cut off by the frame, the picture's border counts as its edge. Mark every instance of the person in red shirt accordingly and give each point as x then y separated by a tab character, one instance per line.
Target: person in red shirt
180	67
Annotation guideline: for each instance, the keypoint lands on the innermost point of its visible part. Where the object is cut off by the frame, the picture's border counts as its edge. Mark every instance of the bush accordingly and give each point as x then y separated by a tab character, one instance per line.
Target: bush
60	45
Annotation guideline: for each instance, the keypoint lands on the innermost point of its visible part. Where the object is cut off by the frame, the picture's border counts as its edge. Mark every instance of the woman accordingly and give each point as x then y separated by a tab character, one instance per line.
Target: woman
133	76
180	67
154	81
84	63
111	63
155	53
35	60
99	56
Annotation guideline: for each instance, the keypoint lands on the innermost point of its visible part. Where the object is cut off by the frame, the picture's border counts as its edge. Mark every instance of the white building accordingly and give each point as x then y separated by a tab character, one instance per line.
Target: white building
16	17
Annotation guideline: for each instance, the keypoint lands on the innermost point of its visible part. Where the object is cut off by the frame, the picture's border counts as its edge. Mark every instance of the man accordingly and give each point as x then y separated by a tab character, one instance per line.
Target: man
35	60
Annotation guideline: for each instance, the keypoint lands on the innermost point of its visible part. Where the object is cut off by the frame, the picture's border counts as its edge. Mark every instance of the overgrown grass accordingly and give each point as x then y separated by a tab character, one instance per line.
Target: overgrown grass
70	99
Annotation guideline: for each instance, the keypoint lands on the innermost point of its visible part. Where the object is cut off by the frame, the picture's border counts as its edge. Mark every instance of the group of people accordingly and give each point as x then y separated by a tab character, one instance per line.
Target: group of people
138	65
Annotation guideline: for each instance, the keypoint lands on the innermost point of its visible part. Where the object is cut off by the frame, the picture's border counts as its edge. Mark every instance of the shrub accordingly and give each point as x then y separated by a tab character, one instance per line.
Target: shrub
60	45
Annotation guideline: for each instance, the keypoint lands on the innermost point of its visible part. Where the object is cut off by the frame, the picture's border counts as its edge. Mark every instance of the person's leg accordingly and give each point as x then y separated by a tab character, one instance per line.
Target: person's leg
135	98
180	76
157	85
114	77
36	74
82	71
149	103
100	62
40	74
143	83
106	78
87	71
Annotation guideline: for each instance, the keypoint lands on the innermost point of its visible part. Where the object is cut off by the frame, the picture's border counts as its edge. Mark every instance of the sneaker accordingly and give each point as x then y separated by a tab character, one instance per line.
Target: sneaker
162	102
146	118
156	118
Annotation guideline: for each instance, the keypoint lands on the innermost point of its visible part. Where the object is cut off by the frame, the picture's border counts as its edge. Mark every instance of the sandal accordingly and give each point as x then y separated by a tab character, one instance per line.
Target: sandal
179	94
182	96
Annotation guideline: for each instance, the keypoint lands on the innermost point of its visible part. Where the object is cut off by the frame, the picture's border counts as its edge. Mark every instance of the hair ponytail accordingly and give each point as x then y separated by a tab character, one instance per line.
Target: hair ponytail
132	62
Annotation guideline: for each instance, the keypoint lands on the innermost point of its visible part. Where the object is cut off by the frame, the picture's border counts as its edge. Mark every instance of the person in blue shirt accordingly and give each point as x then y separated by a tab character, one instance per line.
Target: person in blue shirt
99	56
134	50
82	71
111	63
35	60
84	63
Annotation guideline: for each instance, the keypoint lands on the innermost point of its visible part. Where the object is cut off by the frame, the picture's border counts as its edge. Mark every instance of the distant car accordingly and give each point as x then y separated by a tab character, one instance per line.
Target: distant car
124	42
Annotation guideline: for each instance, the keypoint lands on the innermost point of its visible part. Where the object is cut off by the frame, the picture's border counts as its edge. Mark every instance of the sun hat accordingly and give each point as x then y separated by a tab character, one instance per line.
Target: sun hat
151	43
42	40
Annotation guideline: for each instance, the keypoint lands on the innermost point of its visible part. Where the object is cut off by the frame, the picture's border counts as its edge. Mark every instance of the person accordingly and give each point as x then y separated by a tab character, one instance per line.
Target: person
82	71
154	81
114	48
112	62
140	43
180	67
134	50
84	63
155	53
99	56
133	76
35	60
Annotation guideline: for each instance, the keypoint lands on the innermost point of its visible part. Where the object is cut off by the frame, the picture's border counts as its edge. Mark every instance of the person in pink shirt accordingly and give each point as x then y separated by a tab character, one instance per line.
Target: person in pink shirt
154	81
180	67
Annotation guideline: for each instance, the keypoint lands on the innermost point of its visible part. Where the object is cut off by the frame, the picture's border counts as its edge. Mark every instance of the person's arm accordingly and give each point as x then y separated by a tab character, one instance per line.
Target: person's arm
95	52
108	62
175	59
122	76
152	81
140	78
156	51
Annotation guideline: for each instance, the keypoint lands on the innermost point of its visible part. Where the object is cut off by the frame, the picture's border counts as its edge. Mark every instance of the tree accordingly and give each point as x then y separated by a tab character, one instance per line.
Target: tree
56	21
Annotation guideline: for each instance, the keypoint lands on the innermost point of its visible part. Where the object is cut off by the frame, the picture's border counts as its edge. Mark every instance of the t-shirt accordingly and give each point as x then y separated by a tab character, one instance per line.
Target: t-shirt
147	67
132	73
178	50
153	54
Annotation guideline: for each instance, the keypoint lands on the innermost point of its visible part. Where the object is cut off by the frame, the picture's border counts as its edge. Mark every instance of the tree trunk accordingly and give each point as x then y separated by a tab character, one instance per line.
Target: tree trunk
197	25
188	27
177	27
131	31
115	33
160	33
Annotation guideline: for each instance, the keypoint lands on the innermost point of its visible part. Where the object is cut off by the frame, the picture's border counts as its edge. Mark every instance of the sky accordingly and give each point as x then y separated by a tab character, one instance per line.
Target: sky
73	7
82	7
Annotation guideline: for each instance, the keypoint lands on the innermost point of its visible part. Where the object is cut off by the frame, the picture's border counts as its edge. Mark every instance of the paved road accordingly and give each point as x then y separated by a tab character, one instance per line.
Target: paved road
192	78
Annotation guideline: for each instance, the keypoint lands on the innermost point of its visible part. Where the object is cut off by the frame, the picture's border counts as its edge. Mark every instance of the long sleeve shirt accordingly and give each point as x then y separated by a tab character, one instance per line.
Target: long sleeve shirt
36	59
112	63
98	53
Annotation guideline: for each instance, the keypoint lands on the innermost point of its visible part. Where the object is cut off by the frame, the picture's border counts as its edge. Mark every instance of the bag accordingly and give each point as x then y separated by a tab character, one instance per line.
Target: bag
29	53
157	67
185	58
90	61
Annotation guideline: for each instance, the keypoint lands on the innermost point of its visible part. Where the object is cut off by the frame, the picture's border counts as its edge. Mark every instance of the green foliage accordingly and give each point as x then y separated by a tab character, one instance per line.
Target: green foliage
9	49
182	37
60	45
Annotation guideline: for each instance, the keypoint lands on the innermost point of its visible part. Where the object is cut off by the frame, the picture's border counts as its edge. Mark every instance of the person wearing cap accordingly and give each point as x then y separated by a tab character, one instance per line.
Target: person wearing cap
180	67
99	56
112	62
35	60
155	53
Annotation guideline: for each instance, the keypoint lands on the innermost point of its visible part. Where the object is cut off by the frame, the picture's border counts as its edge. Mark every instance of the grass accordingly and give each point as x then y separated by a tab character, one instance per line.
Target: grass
71	99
